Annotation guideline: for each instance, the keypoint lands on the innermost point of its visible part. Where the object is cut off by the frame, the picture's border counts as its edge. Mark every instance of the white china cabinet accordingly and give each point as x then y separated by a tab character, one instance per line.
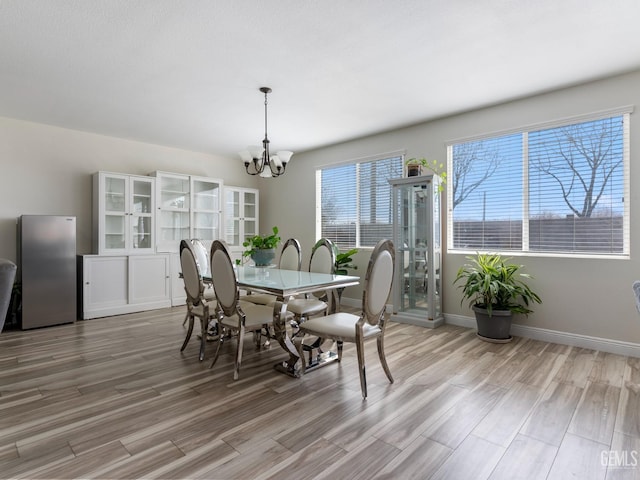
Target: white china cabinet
240	216
417	239
113	285
188	207
123	214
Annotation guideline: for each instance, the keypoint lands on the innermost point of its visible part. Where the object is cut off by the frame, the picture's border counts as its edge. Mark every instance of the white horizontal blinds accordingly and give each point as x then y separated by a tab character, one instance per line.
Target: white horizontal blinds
487	183
569	180
339	213
576	187
375	199
356	203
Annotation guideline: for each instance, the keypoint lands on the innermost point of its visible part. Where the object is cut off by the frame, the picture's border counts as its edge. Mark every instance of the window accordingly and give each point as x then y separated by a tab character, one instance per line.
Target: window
355	201
559	189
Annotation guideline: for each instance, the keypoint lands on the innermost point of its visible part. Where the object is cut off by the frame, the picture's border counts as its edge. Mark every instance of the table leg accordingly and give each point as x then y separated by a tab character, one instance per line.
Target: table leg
280	331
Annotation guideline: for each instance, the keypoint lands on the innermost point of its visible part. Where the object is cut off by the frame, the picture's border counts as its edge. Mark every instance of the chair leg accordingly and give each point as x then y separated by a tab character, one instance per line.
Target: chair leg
203	337
189	332
339	346
383	359
236	369
363	375
221	335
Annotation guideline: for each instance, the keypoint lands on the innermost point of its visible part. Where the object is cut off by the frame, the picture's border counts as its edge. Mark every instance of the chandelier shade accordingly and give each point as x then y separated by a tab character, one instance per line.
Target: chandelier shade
257	159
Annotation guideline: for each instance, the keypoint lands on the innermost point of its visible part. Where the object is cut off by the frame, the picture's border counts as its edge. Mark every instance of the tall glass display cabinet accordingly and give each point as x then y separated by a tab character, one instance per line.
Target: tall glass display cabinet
417	239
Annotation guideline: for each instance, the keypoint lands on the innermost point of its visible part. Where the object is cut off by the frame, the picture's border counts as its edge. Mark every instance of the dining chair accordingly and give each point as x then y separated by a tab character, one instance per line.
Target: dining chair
202	259
323	260
230	313
348	327
636	293
290	259
197	305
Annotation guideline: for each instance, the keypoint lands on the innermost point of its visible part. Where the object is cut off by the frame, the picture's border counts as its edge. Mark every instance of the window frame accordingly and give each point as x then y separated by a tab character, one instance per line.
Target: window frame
357	162
624	112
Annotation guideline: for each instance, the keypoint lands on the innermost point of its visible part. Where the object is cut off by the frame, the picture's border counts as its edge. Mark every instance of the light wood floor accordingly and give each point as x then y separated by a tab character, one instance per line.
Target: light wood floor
114	398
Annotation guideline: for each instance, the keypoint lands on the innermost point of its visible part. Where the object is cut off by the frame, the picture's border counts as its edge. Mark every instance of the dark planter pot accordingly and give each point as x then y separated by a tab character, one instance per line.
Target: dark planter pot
496	327
263	258
414	170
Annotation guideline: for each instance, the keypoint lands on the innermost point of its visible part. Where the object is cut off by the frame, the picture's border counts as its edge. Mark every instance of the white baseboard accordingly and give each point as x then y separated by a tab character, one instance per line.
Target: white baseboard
553	336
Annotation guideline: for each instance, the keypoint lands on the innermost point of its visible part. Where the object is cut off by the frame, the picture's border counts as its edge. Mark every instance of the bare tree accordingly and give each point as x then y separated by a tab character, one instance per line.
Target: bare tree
581	159
473	164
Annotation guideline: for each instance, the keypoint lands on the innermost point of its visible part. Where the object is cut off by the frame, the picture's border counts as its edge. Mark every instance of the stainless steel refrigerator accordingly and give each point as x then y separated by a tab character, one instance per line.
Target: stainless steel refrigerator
47	269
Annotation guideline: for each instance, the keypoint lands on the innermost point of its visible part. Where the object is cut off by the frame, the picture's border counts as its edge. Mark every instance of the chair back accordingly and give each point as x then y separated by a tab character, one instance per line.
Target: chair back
323	260
323	257
378	281
224	278
202	256
193	285
291	255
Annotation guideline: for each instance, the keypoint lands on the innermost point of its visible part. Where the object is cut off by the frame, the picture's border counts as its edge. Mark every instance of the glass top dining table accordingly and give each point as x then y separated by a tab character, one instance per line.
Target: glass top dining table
285	284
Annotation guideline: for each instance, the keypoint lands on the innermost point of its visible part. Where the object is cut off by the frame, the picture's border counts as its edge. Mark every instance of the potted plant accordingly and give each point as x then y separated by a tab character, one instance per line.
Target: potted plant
344	261
262	248
496	289
416	165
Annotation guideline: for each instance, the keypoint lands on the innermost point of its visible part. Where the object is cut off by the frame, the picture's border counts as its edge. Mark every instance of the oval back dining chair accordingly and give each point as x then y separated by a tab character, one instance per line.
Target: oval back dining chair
323	260
290	255
197	305
347	327
230	313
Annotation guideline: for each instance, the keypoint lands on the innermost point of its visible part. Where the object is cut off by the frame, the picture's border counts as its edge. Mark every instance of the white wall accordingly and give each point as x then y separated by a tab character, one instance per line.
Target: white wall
47	170
590	297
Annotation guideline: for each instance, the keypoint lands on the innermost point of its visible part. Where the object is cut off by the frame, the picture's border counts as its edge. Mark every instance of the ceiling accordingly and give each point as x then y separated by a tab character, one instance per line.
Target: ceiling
186	73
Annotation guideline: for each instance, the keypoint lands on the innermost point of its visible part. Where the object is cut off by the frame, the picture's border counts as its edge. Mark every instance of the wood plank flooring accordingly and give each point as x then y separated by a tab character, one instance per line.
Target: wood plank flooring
114	398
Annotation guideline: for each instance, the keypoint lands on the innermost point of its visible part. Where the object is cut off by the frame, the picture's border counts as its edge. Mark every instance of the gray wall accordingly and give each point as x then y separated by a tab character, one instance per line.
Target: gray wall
582	296
47	170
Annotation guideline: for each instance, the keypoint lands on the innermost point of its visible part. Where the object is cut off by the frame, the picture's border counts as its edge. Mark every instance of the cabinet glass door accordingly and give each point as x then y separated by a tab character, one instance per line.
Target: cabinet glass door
232	217
115	213
250	214
174	203
205	207
141	214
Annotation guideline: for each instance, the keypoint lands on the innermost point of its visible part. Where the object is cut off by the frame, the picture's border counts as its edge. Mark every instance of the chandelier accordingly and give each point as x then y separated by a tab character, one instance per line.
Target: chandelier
257	160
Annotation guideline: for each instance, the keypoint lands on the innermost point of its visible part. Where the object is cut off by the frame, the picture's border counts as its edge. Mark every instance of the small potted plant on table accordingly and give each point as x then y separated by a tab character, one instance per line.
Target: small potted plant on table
496	289
262	248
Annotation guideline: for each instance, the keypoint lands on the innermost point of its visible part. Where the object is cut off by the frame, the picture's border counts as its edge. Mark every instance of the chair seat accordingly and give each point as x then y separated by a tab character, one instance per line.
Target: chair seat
198	310
338	326
306	307
259	298
256	316
209	294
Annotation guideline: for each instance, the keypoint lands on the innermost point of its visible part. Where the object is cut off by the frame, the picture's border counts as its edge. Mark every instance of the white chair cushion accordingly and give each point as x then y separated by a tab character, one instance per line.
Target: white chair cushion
256	316
339	326
209	294
260	298
303	306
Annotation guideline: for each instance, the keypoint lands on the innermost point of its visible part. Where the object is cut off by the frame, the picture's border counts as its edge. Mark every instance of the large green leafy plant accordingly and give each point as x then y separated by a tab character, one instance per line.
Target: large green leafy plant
344	261
491	282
